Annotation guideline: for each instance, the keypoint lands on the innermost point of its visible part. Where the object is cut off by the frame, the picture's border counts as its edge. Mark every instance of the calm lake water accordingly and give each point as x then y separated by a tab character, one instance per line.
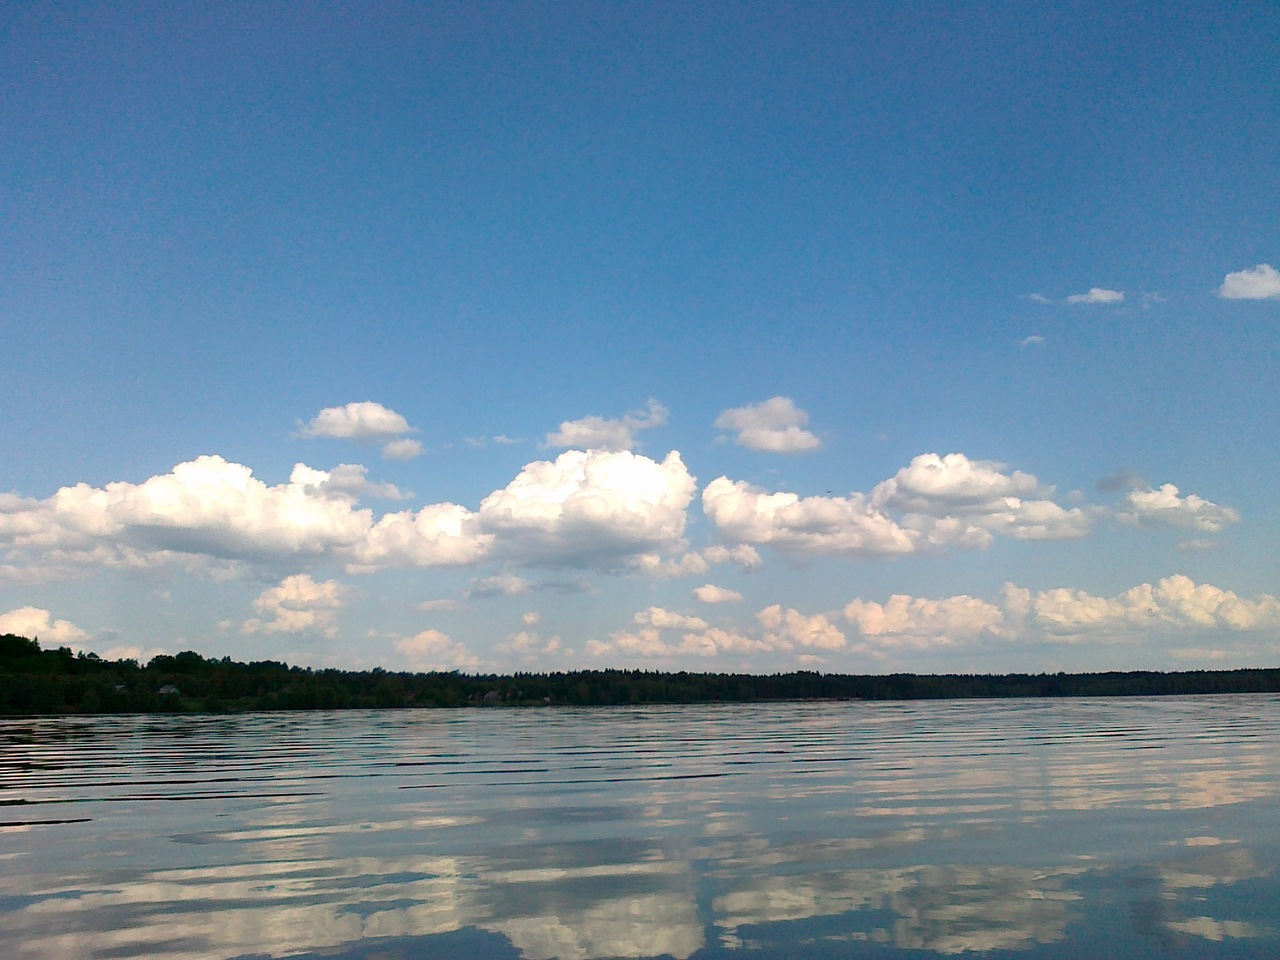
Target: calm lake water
1043	828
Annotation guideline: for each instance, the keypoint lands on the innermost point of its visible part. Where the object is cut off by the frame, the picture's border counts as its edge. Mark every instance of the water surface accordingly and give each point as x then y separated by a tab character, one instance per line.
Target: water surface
1042	828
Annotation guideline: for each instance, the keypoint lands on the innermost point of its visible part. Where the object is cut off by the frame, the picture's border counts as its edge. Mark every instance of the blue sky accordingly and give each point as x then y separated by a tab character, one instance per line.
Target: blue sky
856	338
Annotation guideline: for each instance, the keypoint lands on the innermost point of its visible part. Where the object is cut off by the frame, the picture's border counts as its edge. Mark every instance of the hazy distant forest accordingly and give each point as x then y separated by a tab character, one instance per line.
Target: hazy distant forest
36	681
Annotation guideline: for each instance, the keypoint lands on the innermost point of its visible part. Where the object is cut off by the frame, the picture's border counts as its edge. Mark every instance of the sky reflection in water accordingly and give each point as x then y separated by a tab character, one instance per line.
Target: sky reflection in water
1125	828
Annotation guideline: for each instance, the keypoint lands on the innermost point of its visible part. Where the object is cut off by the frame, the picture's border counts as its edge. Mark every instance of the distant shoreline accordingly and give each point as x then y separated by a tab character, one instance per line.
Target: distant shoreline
34	681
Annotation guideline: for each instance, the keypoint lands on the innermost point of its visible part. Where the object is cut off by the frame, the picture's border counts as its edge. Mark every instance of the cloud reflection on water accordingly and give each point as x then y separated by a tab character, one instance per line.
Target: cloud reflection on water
641	833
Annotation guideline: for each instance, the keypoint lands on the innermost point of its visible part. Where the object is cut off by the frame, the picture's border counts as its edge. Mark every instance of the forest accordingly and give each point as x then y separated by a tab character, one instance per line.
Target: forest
36	681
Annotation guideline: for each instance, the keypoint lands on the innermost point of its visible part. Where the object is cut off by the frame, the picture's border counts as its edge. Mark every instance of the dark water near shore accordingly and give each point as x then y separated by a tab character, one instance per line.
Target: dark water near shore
1083	828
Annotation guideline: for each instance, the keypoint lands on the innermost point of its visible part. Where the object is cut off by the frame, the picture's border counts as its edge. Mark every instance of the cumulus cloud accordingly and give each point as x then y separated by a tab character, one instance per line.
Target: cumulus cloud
787	629
207	507
775	426
1175	602
1097	295
585	509
697	562
642	643
1259	283
1163	507
365	420
438	535
710	593
741	555
36	623
401	450
935	501
345	480
529	645
298	605
597	433
1172	606
808	525
647	643
590	508
433	650
944	485
661	619
952	499
921	621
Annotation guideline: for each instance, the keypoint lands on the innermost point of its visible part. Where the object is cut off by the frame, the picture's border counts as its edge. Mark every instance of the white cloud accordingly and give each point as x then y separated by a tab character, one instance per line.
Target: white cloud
643	643
715	641
298	605
502	585
402	450
946	485
647	643
662	619
1163	507
1260	283
505	440
529	645
1097	295
36	623
597	433
1031	341
531	618
710	593
440	534
1038	298
817	525
433	650
590	508
365	420
942	501
786	629
585	509
695	563
775	426
345	480
205	507
918	620
952	499
1175	605
742	555
1175	602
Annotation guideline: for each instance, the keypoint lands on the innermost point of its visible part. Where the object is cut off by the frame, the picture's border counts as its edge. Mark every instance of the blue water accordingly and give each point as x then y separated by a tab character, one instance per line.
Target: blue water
1044	828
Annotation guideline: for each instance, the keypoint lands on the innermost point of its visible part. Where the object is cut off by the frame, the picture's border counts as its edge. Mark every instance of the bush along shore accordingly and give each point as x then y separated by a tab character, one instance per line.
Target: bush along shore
37	681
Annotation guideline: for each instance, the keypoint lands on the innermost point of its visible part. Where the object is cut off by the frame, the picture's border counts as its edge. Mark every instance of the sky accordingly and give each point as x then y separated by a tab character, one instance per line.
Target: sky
859	338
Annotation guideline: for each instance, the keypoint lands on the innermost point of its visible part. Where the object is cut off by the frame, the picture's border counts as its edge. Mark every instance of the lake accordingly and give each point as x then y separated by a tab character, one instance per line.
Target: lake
1031	828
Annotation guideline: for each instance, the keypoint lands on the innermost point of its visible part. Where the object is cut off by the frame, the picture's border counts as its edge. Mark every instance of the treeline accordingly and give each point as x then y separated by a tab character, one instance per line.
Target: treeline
36	681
